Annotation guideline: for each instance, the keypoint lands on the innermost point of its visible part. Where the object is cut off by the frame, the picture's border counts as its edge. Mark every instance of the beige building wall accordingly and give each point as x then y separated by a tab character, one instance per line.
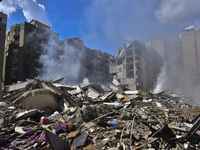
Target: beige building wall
198	51
191	54
158	45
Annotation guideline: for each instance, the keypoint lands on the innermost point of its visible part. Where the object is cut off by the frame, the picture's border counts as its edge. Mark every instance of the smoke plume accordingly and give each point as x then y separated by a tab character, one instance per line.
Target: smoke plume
174	76
176	12
60	60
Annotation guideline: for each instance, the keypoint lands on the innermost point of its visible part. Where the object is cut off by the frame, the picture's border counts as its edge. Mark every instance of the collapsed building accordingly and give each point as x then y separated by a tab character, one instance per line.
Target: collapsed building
48	115
136	66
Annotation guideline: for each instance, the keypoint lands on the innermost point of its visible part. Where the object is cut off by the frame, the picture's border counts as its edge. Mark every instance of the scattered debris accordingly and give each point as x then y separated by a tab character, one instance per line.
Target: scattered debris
47	115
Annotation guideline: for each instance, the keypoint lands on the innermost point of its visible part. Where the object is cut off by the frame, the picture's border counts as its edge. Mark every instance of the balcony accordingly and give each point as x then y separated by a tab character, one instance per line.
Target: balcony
16	34
16	42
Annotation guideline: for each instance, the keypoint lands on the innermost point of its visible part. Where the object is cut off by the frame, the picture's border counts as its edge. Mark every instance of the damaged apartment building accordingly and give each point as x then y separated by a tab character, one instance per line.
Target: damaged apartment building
26	42
94	64
190	40
23	47
137	65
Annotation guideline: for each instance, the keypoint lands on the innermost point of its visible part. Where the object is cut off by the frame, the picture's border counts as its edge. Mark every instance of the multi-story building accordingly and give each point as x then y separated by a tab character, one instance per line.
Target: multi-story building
25	43
136	66
98	67
3	22
191	55
75	52
158	45
93	64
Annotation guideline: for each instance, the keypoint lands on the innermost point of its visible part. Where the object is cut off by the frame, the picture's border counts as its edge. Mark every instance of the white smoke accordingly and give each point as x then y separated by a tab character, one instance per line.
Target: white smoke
179	12
174	76
161	80
60	61
30	8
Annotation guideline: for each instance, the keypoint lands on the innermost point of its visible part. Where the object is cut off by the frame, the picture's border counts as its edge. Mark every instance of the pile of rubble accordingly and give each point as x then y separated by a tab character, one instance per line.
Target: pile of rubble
47	115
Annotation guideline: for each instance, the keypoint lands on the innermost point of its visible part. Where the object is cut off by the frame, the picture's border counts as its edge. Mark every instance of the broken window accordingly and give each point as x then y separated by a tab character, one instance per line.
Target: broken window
137	58
1	19
138	52
113	61
129	52
119	61
138	87
131	74
129	59
130	66
119	69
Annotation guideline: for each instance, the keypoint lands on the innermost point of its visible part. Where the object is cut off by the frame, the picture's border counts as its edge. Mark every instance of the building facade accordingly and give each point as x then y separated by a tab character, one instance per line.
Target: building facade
191	55
25	43
136	66
3	22
92	64
98	66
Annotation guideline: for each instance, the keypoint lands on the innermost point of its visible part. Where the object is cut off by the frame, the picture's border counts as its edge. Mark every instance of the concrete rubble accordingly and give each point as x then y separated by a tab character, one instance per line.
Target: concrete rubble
48	115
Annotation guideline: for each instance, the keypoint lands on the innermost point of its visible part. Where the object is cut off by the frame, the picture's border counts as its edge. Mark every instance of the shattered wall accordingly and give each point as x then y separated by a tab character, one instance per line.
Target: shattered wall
136	66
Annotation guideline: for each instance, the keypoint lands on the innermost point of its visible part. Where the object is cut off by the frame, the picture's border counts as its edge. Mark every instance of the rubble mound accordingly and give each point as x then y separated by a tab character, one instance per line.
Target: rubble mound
46	115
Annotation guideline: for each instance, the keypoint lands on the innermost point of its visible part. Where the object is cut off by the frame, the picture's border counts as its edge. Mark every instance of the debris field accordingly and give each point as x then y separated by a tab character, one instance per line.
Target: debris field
48	115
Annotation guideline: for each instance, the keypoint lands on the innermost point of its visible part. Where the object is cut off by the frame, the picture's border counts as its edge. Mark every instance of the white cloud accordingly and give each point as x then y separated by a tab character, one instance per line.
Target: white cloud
179	12
30	8
8	6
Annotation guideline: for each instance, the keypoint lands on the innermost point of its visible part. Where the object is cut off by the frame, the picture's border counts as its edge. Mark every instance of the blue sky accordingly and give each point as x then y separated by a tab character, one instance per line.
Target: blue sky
107	24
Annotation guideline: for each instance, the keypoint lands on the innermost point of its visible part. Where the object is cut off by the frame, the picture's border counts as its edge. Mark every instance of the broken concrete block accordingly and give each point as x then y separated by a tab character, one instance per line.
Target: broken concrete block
92	93
15	87
86	82
104	97
26	114
115	82
113	87
19	129
3	105
131	92
41	99
119	96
